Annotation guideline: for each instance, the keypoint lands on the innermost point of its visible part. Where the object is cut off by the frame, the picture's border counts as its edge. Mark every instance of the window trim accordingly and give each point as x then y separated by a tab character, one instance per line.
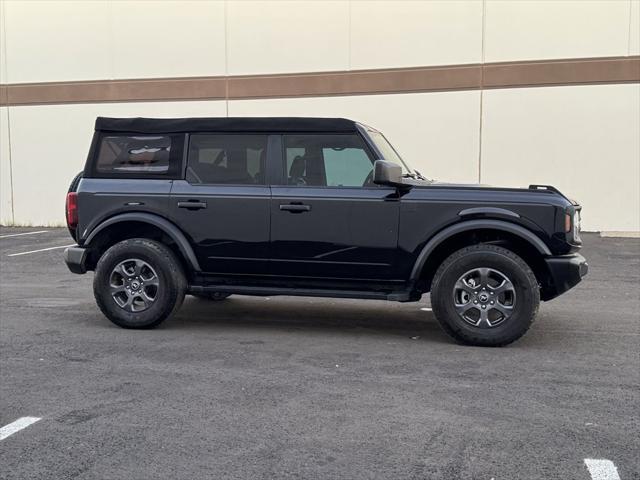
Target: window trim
274	159
264	183
364	131
283	161
175	158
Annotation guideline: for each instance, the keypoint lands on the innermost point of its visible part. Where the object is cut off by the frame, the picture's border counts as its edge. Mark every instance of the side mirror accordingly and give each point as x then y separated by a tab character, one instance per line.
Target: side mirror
387	173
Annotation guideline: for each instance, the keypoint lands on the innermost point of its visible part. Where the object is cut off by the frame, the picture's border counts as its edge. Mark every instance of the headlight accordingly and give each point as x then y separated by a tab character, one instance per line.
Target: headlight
576	225
572	225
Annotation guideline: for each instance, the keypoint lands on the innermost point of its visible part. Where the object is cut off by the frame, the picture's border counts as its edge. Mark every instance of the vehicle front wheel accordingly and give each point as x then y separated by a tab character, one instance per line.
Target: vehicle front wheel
485	295
139	283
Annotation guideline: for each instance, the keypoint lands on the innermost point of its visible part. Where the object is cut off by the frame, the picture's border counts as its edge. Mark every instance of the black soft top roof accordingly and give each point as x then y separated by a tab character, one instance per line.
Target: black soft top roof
225	124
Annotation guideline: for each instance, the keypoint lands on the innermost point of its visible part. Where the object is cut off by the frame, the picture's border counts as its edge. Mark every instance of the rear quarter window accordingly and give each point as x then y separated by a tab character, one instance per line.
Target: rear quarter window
137	156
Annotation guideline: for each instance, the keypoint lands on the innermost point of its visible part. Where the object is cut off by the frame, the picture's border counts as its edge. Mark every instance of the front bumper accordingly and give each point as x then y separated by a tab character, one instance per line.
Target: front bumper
76	259
565	271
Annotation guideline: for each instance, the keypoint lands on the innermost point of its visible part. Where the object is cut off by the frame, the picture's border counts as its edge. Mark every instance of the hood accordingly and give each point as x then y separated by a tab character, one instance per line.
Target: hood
531	188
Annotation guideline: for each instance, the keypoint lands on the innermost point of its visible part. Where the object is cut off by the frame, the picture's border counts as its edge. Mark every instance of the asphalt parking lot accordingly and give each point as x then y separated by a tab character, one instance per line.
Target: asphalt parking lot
288	387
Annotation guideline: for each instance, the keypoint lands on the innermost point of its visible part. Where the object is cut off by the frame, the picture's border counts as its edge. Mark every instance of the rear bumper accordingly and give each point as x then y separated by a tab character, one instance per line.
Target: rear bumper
76	259
566	272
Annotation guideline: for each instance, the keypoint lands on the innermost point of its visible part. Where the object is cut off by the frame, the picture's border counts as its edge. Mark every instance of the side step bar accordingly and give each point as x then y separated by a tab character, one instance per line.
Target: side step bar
399	296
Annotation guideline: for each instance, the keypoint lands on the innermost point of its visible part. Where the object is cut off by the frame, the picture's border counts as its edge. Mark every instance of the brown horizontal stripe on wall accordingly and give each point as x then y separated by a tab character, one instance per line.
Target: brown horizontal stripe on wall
117	91
562	72
355	82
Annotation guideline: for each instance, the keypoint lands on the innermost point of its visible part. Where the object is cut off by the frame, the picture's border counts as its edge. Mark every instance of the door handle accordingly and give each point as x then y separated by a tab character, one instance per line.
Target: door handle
295	208
192	205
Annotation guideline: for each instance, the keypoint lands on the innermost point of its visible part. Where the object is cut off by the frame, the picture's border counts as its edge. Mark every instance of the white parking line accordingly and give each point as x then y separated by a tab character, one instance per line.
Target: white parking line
16	426
601	469
39	250
25	233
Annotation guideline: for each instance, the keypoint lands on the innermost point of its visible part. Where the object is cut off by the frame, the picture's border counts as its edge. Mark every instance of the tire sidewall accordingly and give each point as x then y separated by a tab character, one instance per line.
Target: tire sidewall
526	299
169	292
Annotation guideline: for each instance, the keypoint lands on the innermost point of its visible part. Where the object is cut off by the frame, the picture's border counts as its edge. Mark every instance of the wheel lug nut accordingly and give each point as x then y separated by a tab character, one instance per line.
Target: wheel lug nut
492	303
484	306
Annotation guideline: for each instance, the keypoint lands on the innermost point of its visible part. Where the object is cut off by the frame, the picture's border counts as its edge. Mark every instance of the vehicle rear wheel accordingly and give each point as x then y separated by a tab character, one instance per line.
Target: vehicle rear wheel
485	295
139	283
214	296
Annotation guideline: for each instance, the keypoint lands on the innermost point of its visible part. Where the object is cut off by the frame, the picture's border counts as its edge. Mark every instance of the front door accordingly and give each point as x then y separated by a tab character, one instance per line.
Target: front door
328	219
223	205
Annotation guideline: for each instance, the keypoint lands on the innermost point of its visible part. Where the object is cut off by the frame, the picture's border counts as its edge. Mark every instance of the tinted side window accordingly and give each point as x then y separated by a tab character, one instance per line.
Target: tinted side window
327	160
227	159
124	155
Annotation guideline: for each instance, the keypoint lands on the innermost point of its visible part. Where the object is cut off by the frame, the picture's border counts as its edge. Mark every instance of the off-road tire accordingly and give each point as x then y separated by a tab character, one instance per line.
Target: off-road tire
527	294
213	296
172	283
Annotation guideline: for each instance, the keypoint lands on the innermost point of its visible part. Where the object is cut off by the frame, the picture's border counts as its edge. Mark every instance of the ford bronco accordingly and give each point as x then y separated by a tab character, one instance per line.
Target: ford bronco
322	207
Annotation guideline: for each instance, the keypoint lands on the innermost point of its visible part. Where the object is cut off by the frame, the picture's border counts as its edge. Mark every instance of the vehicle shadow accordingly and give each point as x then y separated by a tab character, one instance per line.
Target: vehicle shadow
303	313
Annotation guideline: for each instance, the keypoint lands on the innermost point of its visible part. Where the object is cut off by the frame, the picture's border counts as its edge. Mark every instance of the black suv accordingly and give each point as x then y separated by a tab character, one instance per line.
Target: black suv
308	206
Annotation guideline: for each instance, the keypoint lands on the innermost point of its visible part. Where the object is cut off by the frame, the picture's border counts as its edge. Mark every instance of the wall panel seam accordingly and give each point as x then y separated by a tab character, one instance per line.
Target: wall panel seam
629	28
480	113
11	194
4	101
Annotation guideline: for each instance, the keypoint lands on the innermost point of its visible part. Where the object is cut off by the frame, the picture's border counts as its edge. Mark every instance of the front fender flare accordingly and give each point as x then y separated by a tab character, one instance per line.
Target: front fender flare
163	224
469	225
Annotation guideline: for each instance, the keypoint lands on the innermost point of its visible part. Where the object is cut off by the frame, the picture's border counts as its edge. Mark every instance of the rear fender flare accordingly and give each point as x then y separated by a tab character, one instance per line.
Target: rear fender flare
469	225
166	226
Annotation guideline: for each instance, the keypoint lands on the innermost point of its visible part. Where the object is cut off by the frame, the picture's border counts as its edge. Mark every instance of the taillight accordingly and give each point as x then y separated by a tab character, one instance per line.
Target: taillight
72	209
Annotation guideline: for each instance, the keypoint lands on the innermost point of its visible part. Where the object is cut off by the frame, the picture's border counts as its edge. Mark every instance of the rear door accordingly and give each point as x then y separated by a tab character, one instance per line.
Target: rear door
328	219
223	203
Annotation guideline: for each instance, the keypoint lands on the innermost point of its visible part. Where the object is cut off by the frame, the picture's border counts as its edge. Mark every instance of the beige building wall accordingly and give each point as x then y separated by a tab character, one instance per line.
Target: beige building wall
6	193
50	143
585	139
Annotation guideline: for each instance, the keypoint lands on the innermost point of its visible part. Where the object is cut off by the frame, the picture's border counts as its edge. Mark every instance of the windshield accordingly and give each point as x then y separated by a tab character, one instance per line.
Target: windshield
386	149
